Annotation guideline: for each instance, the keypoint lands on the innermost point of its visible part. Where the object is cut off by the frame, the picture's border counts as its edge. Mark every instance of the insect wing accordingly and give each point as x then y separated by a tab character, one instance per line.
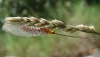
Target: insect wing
14	29
35	31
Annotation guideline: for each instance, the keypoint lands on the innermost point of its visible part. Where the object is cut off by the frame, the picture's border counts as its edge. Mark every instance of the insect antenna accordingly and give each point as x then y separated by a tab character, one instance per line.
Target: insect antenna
74	36
53	32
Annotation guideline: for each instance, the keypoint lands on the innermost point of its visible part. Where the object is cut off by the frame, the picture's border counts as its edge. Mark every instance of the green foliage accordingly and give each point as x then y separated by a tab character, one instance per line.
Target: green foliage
69	11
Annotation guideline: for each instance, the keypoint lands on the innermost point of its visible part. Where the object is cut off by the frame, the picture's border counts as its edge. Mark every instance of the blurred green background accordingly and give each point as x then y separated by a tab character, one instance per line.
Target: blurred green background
71	12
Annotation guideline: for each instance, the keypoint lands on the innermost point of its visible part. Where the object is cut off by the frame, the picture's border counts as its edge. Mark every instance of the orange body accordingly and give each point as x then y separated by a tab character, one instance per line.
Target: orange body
47	31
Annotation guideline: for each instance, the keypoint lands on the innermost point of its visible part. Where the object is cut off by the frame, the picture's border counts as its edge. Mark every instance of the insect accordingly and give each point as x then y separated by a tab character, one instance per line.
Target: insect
35	31
25	30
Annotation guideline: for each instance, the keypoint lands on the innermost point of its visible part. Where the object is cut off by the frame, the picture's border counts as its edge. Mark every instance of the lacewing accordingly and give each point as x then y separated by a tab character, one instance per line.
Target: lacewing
25	30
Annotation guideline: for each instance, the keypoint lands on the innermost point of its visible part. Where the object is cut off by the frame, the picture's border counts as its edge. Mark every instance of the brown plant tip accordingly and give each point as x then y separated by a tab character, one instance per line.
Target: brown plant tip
88	29
33	21
42	22
13	19
57	23
69	28
21	20
82	28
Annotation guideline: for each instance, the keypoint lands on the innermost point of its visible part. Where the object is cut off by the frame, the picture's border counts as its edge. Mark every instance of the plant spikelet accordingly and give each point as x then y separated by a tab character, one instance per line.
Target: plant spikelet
42	22
57	23
88	29
32	21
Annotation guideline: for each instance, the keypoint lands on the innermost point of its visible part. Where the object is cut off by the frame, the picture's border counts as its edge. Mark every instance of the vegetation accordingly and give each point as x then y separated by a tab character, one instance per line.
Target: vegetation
71	12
